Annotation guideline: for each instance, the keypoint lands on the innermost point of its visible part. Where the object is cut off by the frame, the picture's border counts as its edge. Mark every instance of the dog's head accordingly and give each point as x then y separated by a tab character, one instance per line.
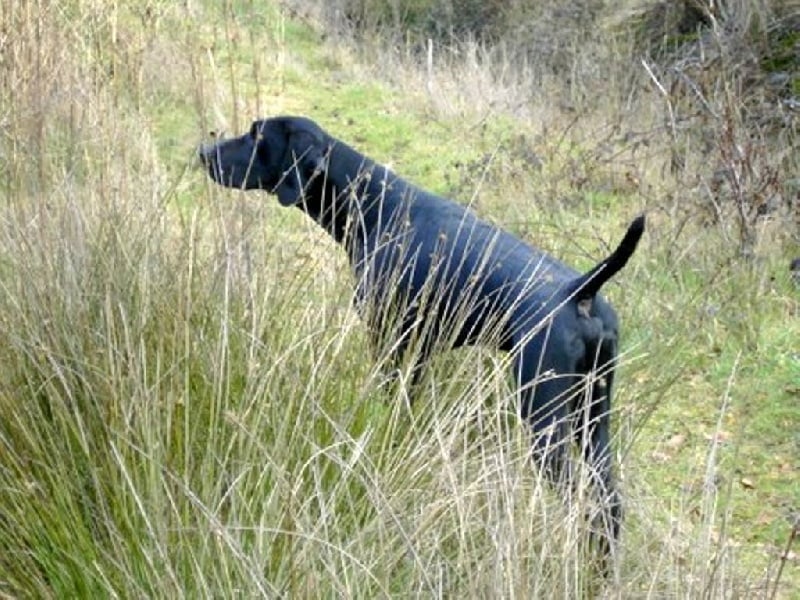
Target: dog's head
281	155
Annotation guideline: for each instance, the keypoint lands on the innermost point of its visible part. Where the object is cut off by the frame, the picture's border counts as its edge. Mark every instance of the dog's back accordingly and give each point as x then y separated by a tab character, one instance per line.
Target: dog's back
475	277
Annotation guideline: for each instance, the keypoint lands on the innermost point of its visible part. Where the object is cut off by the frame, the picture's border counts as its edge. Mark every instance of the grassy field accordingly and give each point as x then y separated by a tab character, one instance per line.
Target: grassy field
187	408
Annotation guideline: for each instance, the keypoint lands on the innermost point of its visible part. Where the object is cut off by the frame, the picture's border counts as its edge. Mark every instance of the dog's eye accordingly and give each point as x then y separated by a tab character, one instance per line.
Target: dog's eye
255	132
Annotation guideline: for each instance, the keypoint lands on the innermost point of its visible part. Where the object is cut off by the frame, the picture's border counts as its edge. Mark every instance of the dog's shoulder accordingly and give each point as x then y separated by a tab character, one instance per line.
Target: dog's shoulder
431	210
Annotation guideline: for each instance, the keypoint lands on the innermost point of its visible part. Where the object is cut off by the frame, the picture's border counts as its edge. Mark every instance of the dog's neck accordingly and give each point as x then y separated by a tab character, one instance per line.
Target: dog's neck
350	197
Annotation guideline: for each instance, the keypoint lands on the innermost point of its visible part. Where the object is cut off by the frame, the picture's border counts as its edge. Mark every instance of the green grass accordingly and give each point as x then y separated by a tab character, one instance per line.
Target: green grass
189	404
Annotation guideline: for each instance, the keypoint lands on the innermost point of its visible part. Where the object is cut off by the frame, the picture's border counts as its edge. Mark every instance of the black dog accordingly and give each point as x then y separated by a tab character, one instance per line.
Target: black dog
432	274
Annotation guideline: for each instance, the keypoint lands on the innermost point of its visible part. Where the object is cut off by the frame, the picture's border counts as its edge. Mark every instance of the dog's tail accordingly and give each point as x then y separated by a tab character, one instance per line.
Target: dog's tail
586	286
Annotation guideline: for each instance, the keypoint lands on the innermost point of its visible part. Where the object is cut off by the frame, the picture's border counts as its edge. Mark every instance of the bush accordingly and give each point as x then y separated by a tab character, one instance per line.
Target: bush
543	33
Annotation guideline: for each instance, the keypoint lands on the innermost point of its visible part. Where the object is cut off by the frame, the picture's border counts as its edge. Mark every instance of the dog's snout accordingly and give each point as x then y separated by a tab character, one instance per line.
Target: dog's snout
205	153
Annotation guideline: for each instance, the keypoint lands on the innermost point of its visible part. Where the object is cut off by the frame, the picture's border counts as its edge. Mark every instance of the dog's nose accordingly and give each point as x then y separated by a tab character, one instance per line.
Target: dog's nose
205	152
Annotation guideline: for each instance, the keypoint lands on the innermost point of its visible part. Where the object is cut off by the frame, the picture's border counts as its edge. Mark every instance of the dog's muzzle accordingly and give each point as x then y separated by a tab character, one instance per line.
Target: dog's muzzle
206	153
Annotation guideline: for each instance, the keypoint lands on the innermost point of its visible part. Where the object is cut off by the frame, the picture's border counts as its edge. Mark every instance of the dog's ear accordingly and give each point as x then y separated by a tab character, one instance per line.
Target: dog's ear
305	159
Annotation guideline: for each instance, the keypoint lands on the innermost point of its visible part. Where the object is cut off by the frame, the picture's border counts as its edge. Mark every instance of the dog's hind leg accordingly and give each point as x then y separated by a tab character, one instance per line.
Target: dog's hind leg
591	429
597	447
546	380
549	381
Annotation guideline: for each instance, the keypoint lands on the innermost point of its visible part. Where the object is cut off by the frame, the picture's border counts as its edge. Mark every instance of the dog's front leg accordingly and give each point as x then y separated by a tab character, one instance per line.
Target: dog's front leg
395	343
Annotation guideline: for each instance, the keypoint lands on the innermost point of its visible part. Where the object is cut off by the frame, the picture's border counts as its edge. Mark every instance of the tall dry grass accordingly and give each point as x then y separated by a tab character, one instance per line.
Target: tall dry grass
187	405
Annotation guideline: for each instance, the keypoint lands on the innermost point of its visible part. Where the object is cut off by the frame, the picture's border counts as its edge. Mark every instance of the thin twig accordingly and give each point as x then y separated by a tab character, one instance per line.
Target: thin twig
785	555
